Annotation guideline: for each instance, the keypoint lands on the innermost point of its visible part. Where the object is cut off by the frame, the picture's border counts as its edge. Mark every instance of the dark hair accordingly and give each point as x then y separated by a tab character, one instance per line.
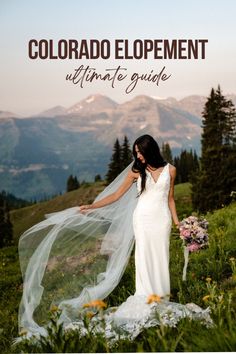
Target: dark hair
150	150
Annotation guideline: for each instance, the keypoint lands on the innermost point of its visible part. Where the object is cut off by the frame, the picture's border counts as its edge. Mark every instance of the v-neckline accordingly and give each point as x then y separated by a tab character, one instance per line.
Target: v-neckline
158	176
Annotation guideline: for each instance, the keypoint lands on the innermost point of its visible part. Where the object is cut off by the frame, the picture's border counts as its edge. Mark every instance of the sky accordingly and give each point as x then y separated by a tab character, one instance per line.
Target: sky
30	86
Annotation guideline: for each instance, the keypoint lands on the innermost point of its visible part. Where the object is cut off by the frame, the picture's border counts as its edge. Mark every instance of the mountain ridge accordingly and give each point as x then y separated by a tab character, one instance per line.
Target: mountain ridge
188	103
38	153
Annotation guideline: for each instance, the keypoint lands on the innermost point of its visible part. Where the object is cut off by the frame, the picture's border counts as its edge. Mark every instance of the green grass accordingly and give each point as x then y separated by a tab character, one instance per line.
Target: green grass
24	218
217	263
183	199
10	295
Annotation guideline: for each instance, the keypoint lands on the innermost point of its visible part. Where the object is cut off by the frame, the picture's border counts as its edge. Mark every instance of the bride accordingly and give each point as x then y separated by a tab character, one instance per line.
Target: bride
79	254
152	216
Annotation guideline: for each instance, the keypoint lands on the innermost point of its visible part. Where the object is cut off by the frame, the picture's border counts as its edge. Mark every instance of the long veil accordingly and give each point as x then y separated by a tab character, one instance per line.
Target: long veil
71	258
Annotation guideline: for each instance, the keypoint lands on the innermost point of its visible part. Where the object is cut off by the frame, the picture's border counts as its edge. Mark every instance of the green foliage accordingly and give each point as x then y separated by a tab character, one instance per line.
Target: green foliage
126	153
216	179
166	152
6	232
211	280
72	183
187	165
12	201
183	199
115	166
120	159
97	178
10	295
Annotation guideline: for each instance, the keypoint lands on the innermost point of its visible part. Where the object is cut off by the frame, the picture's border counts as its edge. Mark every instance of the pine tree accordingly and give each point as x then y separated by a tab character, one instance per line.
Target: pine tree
97	178
6	229
186	165
176	163
115	166
72	183
166	152
126	154
76	183
216	179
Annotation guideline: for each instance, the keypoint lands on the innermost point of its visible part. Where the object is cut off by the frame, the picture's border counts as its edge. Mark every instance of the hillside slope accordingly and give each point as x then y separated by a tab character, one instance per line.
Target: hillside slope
211	280
24	218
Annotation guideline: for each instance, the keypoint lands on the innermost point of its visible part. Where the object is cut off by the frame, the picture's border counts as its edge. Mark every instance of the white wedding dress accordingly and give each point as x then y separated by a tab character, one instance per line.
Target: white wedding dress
152	226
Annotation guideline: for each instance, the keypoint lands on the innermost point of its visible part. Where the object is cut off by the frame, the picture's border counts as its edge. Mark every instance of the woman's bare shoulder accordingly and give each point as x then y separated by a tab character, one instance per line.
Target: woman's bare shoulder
172	170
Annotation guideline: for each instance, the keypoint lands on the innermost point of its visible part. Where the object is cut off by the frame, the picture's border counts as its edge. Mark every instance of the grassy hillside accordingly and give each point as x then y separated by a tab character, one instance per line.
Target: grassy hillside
216	263
24	218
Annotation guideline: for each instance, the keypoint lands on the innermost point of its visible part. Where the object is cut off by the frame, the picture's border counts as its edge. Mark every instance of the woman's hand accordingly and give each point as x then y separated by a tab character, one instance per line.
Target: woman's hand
84	208
177	224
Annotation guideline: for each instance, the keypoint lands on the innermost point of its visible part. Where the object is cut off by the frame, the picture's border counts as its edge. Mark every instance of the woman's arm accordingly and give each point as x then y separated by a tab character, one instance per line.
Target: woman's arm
171	196
111	198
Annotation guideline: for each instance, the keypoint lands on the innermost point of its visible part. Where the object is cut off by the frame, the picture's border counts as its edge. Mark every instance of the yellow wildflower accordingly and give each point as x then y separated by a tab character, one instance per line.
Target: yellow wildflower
153	298
232	259
53	308
23	332
90	314
205	298
96	303
208	280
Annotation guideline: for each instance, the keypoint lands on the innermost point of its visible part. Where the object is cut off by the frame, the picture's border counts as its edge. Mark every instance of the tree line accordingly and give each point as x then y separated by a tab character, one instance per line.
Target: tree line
186	163
6	228
214	184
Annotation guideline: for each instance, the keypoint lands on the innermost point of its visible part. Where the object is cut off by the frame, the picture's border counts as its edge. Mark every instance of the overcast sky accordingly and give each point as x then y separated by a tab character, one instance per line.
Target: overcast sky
30	86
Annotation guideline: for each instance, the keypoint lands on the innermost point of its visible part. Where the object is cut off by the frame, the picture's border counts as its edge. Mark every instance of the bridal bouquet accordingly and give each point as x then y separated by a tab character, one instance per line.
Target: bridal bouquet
193	231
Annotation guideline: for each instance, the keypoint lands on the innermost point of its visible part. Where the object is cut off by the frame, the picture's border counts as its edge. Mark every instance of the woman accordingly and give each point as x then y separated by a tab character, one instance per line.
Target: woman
79	254
152	216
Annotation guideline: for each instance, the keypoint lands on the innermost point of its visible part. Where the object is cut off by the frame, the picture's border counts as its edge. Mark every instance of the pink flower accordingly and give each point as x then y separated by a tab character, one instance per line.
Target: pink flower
193	233
185	233
193	247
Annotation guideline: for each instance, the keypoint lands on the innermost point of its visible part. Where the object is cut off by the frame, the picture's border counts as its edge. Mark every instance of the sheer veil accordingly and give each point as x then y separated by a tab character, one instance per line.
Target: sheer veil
71	258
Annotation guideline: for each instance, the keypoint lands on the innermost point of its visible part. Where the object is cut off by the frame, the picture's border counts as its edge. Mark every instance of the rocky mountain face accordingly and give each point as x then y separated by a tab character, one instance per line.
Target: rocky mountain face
164	119
38	153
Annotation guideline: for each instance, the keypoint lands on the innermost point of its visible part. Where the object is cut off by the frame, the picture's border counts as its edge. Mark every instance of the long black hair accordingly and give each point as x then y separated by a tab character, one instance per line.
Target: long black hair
150	150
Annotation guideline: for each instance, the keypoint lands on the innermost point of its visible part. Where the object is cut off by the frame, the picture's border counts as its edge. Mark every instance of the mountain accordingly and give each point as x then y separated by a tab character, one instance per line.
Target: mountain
108	120
38	153
193	104
52	112
93	104
6	114
144	115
